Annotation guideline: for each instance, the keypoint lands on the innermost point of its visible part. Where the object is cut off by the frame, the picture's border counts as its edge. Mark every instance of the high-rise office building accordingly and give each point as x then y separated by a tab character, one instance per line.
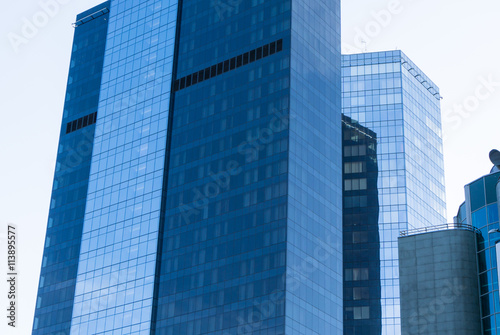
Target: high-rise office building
211	201
56	290
388	94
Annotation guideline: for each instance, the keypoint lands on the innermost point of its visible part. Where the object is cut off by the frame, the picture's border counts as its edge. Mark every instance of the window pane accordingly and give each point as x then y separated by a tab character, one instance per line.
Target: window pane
477	195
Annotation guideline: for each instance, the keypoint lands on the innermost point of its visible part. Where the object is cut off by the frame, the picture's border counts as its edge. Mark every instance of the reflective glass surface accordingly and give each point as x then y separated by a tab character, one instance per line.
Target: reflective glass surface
361	242
314	227
116	270
482	207
56	289
214	194
251	224
388	94
224	241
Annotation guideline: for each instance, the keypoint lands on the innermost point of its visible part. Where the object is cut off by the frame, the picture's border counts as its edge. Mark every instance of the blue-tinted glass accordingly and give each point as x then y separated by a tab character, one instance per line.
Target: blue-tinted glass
493	213
224	240
479	219
242	195
486	219
462	214
486	306
315	163
386	93
490	183
209	206
56	289
483	280
118	254
361	242
477	199
487	322
494	272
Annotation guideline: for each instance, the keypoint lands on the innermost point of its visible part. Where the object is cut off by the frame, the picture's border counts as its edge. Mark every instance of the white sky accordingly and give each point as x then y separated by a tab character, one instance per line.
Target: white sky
454	42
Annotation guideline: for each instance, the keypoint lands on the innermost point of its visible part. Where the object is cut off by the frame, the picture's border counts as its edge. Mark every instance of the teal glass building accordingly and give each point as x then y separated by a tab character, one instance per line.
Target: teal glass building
480	210
212	197
388	94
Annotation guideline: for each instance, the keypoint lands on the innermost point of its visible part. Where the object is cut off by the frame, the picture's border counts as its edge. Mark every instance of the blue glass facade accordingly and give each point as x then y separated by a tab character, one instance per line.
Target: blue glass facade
314	226
388	94
118	255
224	243
481	210
211	201
236	247
56	289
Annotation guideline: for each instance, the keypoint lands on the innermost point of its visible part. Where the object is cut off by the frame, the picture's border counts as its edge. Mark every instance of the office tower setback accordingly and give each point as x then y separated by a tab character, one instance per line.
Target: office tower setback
361	244
56	289
211	201
386	93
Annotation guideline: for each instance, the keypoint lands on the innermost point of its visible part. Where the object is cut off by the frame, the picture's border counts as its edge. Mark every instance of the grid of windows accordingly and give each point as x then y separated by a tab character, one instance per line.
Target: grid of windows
198	209
56	288
117	261
361	241
224	243
388	94
354	167
314	289
355	184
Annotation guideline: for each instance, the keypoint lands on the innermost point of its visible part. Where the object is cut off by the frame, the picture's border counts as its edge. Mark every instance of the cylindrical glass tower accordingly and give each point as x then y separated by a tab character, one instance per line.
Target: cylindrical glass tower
481	210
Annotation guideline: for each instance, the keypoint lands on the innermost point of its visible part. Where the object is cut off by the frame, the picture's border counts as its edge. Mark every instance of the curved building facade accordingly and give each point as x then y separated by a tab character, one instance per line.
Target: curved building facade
438	275
482	213
480	210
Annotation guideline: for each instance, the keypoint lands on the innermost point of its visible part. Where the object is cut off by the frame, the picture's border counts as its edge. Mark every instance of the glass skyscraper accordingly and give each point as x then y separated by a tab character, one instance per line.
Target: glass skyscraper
388	94
210	198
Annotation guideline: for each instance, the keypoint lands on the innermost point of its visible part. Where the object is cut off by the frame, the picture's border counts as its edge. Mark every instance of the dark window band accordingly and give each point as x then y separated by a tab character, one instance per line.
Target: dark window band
228	65
80	123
